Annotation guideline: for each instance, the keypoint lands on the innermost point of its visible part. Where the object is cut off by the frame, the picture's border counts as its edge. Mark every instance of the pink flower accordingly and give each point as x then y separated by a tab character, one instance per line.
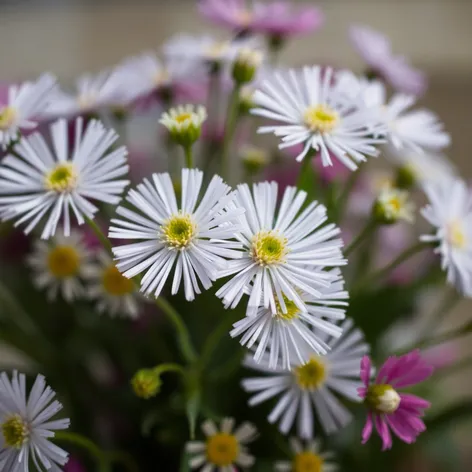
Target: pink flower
375	49
390	410
276	18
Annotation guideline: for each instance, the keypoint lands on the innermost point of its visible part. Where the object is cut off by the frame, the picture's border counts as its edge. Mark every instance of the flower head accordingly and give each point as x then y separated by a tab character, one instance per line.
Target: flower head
60	266
295	332
26	426
450	212
146	383
184	123
42	182
375	49
389	408
307	458
281	252
393	205
223	448
318	113
24	105
194	238
308	387
274	18
246	64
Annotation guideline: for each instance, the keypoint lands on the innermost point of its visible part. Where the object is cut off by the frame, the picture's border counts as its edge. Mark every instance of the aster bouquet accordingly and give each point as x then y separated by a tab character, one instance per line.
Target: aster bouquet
182	293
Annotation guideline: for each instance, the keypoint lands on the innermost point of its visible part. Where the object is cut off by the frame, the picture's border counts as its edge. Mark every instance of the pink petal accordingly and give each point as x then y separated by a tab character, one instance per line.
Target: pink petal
412	401
382	428
367	430
362	391
385	370
401	430
366	366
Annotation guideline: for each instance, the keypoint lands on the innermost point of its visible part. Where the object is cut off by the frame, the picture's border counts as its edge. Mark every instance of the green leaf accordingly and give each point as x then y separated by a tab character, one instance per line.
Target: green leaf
192	408
184	466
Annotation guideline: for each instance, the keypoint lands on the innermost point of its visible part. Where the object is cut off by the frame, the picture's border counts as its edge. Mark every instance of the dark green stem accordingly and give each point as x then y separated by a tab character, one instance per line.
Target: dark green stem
304	169
343	199
101	237
450	300
368	229
188	157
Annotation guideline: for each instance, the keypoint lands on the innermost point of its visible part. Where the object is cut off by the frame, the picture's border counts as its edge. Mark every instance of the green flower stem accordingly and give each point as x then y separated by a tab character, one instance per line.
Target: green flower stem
185	344
230	128
444	337
450	300
304	170
161	368
188	156
101	237
123	458
343	199
380	274
367	231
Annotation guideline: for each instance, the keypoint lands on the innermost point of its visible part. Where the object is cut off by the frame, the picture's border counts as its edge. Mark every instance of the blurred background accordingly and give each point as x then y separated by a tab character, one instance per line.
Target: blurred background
68	37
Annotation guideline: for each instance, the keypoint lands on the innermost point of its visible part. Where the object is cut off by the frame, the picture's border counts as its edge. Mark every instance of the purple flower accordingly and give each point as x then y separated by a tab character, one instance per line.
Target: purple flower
275	18
74	466
390	410
376	51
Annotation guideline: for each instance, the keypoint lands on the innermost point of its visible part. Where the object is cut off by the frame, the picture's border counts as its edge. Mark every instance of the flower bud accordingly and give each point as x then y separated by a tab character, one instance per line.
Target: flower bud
393	205
254	159
246	64
406	177
383	398
146	383
246	102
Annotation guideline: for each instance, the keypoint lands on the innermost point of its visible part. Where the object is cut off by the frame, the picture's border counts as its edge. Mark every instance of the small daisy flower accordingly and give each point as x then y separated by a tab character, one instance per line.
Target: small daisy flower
113	292
393	205
375	49
43	182
246	65
307	458
184	123
195	238
450	212
310	387
295	332
389	409
223	449
60	265
24	104
280	251
26	426
275	18
314	111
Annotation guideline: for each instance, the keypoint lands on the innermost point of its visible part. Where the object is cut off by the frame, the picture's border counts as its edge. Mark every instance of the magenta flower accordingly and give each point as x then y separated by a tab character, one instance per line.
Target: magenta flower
390	410
276	18
376	51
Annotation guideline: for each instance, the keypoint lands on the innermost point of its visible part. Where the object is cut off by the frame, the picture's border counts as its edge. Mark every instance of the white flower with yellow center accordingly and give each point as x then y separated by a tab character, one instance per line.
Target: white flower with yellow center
281	252
42	182
311	387
195	237
60	265
25	104
113	292
393	205
307	458
450	212
295	333
223	449
27	427
184	123
315	112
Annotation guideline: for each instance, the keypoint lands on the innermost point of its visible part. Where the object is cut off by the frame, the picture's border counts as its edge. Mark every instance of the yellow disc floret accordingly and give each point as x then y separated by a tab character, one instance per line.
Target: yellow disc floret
7	117
268	248
115	283
292	310
62	178
15	431
307	461
456	235
321	118
311	376
178	231
63	261
222	449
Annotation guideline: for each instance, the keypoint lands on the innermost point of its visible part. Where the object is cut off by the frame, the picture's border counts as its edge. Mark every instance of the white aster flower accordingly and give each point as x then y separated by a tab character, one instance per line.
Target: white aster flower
113	292
309	387
316	113
281	252
27	428
42	182
184	123
450	211
295	332
223	449
196	237
26	103
59	266
393	205
307	458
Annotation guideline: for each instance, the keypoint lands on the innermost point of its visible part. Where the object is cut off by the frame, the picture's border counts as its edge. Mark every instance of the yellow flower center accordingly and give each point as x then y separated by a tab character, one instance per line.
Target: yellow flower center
396	204
115	283
307	462
321	118
86	100
162	77
7	117
15	431
268	248
216	50
63	261
178	231
456	235
244	17
222	449
311	375
383	398
62	178
183	117
292	310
